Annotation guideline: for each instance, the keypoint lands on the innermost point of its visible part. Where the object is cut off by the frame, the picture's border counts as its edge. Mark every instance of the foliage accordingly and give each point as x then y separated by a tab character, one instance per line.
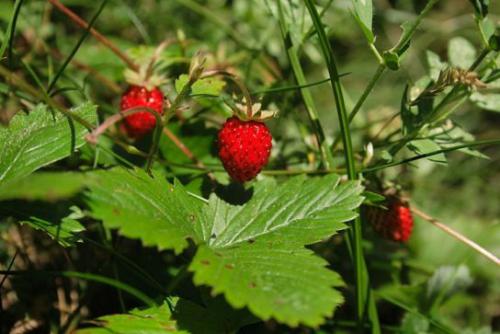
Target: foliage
102	233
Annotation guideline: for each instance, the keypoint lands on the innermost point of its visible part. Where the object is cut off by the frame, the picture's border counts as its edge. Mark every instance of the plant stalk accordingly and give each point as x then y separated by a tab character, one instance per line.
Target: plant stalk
363	294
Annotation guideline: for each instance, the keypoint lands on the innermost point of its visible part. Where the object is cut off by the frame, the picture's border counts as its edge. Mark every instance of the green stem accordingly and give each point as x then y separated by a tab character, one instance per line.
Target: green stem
290	88
159	125
292	52
398	48
430	154
9	34
410	30
363	295
76	47
437	115
376	76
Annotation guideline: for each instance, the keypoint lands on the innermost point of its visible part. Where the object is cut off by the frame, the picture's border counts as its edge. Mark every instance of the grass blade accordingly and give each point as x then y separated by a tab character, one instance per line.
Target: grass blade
364	299
77	46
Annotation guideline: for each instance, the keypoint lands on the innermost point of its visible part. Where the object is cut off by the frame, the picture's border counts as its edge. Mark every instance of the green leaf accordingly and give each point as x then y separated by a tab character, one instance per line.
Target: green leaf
65	232
37	139
186	317
253	253
461	53
489	102
435	65
488	27
413	323
446	281
371	197
206	86
456	135
272	281
423	146
363	13
298	212
44	186
151	209
292	14
156	320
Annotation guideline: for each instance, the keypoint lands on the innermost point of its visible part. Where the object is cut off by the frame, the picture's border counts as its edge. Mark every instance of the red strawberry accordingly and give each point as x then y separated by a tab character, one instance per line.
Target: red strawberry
244	147
395	223
142	122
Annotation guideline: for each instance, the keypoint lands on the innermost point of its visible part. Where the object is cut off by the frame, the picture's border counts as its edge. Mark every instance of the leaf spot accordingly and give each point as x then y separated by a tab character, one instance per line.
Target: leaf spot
205	262
229	266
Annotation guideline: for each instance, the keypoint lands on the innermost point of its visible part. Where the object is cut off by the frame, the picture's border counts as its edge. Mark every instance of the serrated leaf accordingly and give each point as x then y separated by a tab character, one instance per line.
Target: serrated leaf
252	253
206	86
363	13
37	139
302	210
185	318
461	53
292	286
155	320
44	186
151	209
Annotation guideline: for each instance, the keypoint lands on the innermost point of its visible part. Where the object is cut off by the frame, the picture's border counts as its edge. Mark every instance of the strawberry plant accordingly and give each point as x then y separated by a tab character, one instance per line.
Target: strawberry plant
249	166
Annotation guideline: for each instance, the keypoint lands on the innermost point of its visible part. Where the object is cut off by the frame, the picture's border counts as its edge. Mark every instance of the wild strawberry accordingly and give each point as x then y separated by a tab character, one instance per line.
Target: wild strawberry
395	223
244	148
142	122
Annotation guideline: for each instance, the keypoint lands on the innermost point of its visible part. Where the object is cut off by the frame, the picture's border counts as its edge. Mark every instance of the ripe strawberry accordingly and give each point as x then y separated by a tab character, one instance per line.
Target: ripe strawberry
395	223
142	122
244	147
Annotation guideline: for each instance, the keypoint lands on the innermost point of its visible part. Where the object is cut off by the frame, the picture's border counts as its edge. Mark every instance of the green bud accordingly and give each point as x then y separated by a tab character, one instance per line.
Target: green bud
391	60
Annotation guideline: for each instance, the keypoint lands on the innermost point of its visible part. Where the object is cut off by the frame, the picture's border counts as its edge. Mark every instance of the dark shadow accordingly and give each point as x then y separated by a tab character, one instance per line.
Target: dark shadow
234	193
